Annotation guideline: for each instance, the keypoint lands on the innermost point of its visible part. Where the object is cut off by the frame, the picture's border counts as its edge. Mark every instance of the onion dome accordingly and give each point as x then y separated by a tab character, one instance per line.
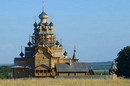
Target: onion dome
43	15
60	45
65	53
21	54
29	44
51	24
57	43
40	24
46	24
35	24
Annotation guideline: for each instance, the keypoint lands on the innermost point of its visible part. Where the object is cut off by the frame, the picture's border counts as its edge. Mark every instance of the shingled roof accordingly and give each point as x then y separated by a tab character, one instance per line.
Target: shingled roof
74	67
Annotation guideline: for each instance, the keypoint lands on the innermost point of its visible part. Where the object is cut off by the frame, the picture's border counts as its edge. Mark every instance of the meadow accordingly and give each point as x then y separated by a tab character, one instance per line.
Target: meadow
65	82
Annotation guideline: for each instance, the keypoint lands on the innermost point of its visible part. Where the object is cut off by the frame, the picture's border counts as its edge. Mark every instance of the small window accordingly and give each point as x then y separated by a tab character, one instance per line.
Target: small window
41	71
37	71
45	71
47	61
39	61
49	71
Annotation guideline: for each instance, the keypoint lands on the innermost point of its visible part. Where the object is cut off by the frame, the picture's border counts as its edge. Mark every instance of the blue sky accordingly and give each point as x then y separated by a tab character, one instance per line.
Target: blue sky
98	28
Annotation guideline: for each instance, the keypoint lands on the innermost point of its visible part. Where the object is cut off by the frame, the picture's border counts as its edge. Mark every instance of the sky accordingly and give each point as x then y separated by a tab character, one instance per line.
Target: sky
98	28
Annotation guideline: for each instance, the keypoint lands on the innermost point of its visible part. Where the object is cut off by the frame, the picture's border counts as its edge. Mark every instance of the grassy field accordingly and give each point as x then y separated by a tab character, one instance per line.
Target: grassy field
65	82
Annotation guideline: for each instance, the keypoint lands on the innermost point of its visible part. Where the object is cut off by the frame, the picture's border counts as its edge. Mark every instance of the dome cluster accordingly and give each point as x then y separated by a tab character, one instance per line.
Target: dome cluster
43	16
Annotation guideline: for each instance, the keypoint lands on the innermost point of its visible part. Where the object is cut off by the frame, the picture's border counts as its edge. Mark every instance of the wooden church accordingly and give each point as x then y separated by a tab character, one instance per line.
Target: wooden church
44	57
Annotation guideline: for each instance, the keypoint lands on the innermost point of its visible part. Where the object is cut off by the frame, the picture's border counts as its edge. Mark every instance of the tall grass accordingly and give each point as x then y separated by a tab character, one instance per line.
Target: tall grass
65	82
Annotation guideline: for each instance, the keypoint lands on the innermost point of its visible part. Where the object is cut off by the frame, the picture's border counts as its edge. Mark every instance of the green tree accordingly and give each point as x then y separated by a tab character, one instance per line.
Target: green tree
123	62
5	70
1	76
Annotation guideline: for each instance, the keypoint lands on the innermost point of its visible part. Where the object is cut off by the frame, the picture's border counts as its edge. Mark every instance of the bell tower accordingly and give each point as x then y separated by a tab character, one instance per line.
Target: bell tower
42	53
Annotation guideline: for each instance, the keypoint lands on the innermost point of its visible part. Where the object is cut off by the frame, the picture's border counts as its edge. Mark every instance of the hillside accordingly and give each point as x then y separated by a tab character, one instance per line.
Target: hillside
4	71
101	65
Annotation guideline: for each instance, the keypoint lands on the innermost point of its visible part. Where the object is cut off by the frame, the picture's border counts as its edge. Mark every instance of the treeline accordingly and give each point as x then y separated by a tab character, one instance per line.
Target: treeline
5	71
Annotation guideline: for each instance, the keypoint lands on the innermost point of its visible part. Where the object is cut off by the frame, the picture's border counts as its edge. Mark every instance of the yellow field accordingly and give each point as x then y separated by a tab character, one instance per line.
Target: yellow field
65	82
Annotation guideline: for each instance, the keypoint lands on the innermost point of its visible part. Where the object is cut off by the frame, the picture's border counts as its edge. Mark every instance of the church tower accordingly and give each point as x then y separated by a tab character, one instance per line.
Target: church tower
44	57
43	32
74	58
42	53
